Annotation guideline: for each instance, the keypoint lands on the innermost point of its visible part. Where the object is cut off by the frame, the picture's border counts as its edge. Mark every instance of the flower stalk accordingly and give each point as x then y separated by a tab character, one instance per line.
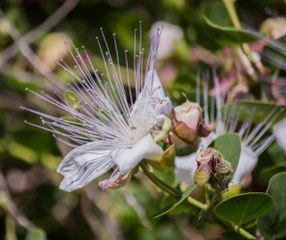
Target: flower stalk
242	232
159	183
229	4
198	204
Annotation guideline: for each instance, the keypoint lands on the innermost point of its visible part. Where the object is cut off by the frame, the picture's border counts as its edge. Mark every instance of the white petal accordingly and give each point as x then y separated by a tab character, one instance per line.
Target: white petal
246	164
153	85
83	164
127	159
185	168
152	98
279	132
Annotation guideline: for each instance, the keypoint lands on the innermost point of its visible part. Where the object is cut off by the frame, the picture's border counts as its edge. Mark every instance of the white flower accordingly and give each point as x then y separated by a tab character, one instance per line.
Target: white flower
253	139
115	128
279	132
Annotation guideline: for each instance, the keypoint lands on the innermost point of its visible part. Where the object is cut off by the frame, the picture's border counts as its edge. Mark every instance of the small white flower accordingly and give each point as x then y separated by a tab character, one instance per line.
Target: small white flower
115	128
253	140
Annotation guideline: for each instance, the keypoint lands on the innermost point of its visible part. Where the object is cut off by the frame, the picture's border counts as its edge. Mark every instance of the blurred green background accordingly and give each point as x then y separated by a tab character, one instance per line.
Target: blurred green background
32	36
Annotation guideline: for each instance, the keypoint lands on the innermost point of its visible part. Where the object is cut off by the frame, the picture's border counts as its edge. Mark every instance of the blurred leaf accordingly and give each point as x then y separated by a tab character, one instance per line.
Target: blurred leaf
22	152
175	4
243	207
215	12
38	140
170	207
262	110
276	153
230	147
274	53
169	178
230	35
269	172
183	84
272	225
35	234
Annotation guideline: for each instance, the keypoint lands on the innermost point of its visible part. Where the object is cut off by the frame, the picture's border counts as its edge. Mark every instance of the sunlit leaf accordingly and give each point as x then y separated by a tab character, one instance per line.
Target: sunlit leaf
243	208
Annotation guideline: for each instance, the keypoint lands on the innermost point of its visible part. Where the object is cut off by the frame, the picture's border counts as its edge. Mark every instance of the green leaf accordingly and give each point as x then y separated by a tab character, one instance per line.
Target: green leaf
243	207
262	110
269	172
230	146
170	207
35	234
273	224
72	99
227	35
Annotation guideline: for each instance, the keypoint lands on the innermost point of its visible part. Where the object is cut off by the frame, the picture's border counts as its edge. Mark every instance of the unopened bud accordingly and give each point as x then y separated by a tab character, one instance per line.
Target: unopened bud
208	155
189	113
205	129
223	167
231	191
203	173
188	123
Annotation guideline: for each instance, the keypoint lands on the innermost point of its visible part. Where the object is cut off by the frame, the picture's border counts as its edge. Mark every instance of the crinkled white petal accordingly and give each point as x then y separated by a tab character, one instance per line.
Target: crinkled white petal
185	168
127	159
83	164
152	98
279	132
246	164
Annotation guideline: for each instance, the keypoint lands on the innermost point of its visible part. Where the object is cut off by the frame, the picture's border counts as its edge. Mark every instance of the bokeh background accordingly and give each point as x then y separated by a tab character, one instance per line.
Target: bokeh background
32	40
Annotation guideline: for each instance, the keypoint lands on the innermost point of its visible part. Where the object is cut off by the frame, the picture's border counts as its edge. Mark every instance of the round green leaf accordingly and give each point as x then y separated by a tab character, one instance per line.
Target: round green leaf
273	223
244	207
230	147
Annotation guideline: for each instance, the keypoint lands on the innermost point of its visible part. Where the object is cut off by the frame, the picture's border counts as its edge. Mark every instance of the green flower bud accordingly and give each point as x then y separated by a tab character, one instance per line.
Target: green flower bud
203	173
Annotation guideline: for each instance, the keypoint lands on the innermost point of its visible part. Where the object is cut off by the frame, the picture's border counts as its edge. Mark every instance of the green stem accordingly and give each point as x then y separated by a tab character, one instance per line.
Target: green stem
229	4
243	232
159	183
198	204
10	227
